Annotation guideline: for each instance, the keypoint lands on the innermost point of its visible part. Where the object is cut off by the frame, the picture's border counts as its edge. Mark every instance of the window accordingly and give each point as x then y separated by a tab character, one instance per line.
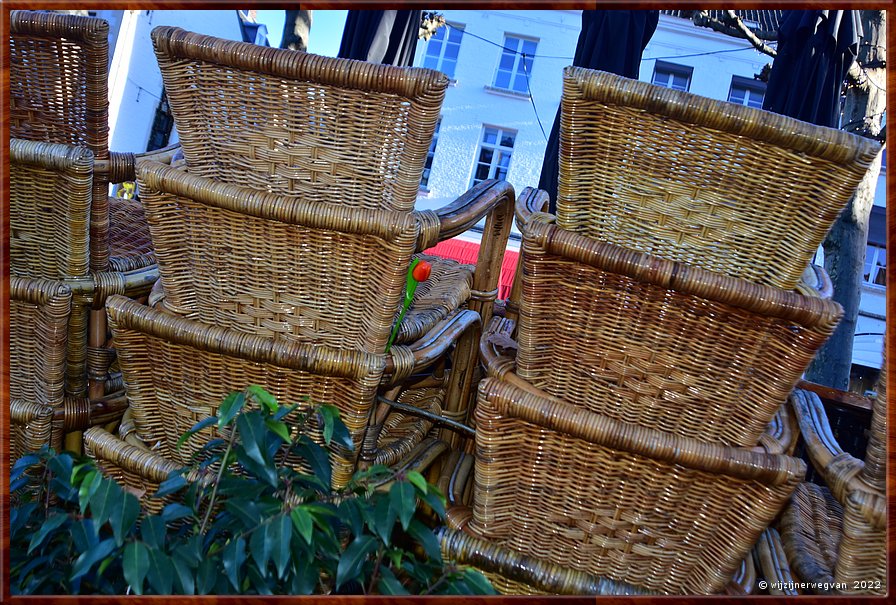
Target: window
516	64
443	48
745	91
427	167
672	75
875	271
161	125
494	154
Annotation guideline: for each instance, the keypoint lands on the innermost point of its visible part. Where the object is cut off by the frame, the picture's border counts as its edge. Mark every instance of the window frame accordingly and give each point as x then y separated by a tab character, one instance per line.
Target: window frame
430	157
749	86
878	252
519	67
674	69
494	163
448	28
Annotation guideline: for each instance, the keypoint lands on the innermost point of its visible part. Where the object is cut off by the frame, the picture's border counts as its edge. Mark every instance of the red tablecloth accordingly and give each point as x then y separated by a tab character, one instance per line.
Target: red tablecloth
467	253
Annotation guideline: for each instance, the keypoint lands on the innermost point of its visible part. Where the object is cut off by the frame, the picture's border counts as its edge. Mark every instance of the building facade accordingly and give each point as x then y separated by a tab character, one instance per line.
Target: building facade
499	110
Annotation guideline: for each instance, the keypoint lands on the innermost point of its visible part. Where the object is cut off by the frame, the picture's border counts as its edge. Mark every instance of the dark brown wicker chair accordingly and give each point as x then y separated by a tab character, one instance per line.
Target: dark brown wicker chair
728	188
837	535
40	411
50	201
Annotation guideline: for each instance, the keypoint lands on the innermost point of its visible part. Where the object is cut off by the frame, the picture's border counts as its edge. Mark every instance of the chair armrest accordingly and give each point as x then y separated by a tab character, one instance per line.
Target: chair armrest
493	200
401	360
498	363
80	413
773	565
121	166
541	575
104	446
815	281
839	469
530	202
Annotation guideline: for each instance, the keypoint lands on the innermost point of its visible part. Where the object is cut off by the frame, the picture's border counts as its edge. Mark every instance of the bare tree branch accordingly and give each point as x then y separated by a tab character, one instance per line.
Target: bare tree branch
732	26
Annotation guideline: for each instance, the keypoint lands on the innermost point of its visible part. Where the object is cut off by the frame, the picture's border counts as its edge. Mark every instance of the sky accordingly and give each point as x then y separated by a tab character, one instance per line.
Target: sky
326	29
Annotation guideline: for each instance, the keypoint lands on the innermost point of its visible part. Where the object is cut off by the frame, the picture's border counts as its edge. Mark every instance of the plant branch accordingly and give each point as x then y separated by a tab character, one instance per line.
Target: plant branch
211	502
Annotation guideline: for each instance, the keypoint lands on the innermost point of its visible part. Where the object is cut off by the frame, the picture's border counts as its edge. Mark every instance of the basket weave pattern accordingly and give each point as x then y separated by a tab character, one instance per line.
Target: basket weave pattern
606	498
727	188
274	266
258	118
653	343
178	371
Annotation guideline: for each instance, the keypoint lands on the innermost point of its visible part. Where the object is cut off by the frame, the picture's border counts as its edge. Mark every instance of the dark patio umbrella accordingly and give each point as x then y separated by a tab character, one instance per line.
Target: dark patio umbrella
815	50
610	40
381	36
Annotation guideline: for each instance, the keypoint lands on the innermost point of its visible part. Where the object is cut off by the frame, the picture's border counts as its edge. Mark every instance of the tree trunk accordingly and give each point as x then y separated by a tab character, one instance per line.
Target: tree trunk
844	247
296	29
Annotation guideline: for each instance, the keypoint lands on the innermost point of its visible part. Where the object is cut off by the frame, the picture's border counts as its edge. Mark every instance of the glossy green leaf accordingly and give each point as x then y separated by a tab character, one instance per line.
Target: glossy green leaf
183	574
478	582
388	584
152	530
172	484
48	527
86	560
205	422
206	576
404	501
251	430
161	571
105	500
91	483
175	511
436	502
84	534
278	428
279	535
263	397
246	510
135	564
350	514
230	407
328	415
317	458
384	519
260	547
305	580
302	520
21	465
425	538
417	480
124	518
352	560
234	555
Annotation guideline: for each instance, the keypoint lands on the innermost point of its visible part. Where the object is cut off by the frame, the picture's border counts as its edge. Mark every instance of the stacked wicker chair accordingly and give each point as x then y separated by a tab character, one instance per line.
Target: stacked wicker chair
835	538
292	222
659	334
59	94
40	411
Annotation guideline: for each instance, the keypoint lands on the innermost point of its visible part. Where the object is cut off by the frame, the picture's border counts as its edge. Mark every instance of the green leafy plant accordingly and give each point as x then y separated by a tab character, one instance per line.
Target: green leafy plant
257	516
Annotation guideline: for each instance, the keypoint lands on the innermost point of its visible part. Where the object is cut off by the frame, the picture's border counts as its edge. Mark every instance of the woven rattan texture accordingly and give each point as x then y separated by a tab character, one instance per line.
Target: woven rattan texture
400	432
178	371
875	471
811	528
447	289
622	513
862	559
39	312
277	266
295	123
607	336
728	188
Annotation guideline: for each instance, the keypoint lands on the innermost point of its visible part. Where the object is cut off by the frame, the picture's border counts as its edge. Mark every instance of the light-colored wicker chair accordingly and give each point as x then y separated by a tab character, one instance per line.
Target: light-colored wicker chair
566	487
659	343
178	371
729	188
345	133
837	535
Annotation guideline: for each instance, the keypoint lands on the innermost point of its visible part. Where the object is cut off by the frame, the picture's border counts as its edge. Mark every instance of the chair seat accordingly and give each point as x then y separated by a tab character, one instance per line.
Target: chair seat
446	290
811	529
130	244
